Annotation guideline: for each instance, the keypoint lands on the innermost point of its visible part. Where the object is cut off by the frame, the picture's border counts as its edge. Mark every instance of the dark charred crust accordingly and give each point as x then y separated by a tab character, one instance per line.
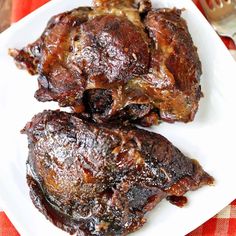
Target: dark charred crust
101	179
109	52
118	46
97	101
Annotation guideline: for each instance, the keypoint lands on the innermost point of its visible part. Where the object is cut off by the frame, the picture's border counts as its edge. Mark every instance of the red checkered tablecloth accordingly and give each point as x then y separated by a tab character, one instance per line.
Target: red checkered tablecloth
223	224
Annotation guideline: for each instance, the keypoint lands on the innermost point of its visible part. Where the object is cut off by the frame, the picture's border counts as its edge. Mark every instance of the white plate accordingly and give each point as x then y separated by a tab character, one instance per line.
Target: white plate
210	138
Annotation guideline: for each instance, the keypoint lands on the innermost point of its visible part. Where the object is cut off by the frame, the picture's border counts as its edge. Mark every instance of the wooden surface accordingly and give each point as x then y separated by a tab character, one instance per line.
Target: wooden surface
5	14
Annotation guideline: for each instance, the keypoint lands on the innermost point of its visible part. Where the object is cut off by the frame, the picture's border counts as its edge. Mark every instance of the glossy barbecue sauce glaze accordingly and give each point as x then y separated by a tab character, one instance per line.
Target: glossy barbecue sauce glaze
101	179
143	58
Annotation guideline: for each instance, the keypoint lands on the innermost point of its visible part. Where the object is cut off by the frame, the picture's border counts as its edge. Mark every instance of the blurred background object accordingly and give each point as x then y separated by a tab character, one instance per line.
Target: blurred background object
5	14
222	17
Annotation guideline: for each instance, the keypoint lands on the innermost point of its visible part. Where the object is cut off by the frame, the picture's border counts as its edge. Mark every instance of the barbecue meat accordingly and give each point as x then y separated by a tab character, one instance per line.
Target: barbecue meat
139	60
101	179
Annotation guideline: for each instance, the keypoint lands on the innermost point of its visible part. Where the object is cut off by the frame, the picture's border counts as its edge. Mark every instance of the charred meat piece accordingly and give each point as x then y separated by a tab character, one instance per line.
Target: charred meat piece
143	57
175	67
101	179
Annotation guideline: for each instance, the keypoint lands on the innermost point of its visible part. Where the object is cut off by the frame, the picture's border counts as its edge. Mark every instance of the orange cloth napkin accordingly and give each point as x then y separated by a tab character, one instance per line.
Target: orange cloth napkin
21	8
6	227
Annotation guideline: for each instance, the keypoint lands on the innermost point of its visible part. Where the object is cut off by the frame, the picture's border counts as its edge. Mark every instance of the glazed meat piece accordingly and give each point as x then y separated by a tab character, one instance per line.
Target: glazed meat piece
122	52
101	179
174	68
